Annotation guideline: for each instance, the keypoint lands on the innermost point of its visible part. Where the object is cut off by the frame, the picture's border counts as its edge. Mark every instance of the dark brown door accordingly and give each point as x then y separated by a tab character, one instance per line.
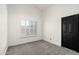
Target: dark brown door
68	31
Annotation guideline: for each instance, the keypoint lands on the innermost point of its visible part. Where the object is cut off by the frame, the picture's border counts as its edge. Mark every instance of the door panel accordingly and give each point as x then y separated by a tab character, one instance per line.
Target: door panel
70	32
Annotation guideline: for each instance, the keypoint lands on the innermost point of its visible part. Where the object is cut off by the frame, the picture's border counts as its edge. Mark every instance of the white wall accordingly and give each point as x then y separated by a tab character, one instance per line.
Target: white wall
3	29
51	18
52	21
16	14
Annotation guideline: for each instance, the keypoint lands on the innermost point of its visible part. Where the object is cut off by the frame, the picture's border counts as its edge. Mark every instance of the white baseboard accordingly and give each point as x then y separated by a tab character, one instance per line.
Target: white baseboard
25	42
52	43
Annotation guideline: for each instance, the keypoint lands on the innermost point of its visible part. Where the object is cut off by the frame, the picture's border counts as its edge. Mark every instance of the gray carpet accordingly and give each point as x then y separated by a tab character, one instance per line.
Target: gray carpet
39	48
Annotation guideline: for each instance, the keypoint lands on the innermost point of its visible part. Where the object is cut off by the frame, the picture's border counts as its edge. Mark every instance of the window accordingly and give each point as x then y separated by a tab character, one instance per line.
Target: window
28	28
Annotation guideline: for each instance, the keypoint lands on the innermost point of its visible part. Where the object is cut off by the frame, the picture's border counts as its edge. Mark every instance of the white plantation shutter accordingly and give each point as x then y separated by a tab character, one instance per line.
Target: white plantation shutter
28	28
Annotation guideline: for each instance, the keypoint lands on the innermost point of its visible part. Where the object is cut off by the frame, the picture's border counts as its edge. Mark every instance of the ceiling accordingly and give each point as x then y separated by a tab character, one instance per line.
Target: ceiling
42	6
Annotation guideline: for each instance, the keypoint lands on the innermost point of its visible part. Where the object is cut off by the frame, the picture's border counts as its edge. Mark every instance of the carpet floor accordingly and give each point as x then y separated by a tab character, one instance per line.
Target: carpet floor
39	48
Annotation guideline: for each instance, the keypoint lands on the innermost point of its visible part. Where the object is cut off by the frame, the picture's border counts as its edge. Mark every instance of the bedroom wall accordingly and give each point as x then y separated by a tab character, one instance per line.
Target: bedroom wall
3	29
16	14
50	18
52	21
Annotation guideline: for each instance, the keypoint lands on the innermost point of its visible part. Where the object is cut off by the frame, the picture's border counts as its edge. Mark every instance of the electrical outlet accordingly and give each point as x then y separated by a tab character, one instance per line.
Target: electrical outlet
50	39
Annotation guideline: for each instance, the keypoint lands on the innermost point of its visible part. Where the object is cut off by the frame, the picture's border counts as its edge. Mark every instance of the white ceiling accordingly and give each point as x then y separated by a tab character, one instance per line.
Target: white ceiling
43	6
